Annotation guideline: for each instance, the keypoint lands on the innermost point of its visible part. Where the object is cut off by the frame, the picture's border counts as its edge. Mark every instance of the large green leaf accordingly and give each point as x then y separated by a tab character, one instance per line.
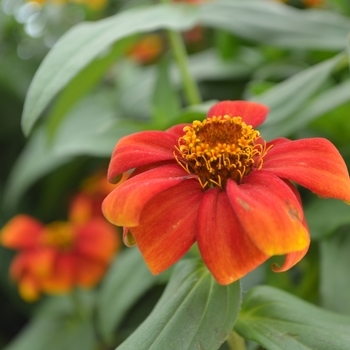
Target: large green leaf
82	83
92	127
85	42
126	281
278	320
288	97
326	215
195	312
277	24
57	327
334	272
321	104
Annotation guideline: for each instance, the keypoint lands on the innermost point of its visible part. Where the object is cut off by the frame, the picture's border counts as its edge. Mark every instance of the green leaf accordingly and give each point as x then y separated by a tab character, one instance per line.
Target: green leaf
82	83
56	327
277	24
278	320
165	101
126	281
80	133
92	127
286	98
195	312
334	272
321	104
36	160
324	215
86	41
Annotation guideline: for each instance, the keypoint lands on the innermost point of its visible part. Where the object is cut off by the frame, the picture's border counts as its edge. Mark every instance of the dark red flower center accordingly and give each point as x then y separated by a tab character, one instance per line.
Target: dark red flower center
218	149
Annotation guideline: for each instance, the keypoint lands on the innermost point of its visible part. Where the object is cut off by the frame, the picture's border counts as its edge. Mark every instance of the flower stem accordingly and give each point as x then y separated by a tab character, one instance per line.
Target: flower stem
78	306
178	48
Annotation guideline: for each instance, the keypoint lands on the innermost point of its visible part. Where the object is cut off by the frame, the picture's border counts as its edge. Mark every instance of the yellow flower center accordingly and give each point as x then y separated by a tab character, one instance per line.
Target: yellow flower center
60	235
218	149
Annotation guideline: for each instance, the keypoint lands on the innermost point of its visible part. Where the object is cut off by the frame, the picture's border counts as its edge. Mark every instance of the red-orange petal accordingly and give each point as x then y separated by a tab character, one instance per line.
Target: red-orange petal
62	278
269	213
21	232
314	163
29	289
89	272
252	113
290	260
97	240
140	149
167	227
38	263
226	249
123	206
81	208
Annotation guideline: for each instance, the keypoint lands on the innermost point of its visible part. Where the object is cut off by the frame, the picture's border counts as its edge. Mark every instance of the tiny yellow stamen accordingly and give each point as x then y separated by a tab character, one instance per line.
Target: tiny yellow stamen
219	148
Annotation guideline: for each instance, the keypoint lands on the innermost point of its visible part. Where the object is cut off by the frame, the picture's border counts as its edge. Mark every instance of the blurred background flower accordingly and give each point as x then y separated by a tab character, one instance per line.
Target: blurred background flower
57	257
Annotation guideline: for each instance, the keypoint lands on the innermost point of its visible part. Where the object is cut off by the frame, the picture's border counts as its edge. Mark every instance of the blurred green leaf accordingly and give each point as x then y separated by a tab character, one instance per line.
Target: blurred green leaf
126	281
289	96
334	272
57	327
165	101
278	24
194	312
135	84
35	161
91	128
326	215
82	83
278	320
323	103
85	42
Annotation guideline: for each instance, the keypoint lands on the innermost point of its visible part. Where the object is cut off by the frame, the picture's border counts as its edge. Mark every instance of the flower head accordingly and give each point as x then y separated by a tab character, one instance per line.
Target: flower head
147	49
218	182
55	258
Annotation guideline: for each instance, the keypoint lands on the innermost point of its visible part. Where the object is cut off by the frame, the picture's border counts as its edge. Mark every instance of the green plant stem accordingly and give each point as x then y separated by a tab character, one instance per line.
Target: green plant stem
78	306
178	48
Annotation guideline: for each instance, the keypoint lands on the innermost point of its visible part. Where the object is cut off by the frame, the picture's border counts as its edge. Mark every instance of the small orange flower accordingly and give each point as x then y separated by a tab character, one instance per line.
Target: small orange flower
313	3
147	49
59	256
218	182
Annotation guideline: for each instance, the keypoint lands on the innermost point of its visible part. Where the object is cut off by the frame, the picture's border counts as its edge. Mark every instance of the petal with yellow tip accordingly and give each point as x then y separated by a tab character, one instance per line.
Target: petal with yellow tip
269	213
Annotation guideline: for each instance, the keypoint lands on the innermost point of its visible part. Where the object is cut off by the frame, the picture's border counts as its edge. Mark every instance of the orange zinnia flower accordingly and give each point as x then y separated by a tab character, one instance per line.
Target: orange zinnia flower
147	49
56	257
219	183
313	3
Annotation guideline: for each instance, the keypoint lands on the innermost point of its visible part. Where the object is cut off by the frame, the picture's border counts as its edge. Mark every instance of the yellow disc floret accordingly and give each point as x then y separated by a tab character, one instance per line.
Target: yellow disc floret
218	149
60	235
